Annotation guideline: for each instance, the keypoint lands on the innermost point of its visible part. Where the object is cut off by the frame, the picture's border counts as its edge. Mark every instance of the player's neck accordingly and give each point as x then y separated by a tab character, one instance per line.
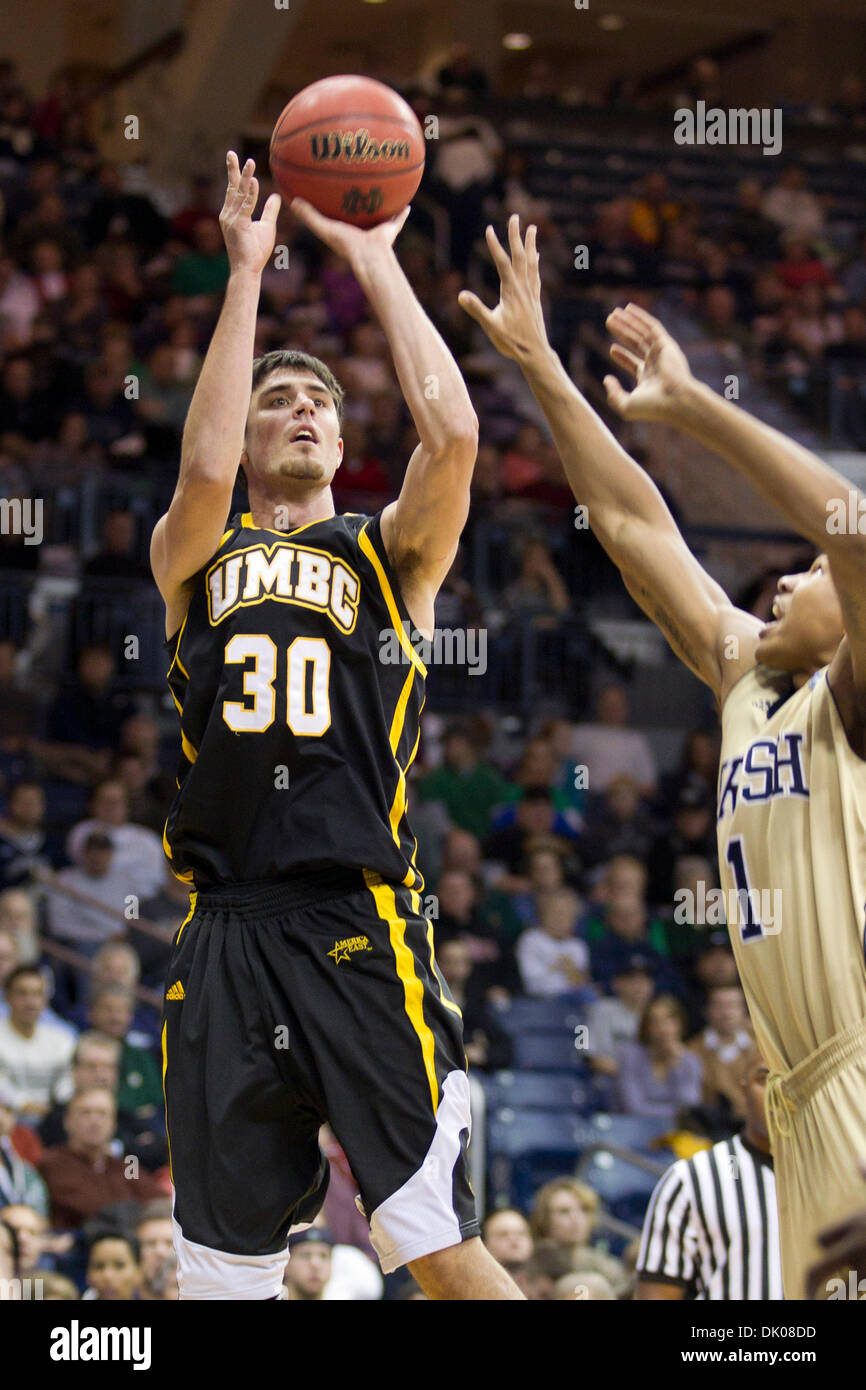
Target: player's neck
287	514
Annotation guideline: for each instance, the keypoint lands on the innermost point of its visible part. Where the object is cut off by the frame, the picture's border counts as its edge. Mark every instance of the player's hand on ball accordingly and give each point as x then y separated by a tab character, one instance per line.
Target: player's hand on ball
345	239
249	244
516	326
644	349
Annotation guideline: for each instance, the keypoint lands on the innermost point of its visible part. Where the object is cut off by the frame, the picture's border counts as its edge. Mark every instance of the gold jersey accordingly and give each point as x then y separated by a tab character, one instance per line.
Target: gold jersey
792	857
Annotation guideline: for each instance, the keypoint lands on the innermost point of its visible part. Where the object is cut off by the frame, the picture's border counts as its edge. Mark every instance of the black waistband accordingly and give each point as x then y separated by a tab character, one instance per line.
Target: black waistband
281	895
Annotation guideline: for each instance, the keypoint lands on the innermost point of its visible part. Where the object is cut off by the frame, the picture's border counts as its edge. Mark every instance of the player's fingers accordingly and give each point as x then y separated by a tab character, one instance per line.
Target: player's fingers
474	308
400	220
500	259
271	209
515	243
623	358
627	332
251	196
246	176
309	215
617	396
650	323
232	170
643	324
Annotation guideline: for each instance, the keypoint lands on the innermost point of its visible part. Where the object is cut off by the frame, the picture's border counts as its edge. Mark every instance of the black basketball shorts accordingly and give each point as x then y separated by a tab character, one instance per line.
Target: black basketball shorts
314	1000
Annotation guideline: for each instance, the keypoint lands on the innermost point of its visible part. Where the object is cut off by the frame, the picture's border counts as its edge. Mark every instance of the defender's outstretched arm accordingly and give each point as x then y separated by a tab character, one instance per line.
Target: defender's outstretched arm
820	504
625	509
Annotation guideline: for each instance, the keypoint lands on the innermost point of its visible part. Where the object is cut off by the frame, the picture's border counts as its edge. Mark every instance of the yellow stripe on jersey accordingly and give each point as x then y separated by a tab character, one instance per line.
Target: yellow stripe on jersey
250	525
434	968
388	594
184	878
164	1101
192	902
189	752
413	990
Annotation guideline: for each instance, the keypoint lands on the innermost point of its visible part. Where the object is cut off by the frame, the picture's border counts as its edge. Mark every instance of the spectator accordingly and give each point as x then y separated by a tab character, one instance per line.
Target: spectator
309	1266
488	1046
546	875
118	557
114	1268
608	748
25	844
153	1232
507	1235
750	232
464	783
614	1020
620	825
18	918
653	209
552	959
537	824
792	205
657	1074
35	1056
464	172
725	1048
461	916
83	924
30	1224
95	1062
138	852
85	719
203	272
538	594
20	1183
538	1276
140	1084
8	1256
693	833
564	1213
82	1175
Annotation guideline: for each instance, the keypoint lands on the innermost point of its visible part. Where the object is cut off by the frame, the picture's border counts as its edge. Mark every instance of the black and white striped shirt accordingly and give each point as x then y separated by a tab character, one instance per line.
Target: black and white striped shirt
712	1226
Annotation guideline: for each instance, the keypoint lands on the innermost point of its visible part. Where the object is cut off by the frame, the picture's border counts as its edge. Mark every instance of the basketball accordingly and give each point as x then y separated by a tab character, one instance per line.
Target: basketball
350	146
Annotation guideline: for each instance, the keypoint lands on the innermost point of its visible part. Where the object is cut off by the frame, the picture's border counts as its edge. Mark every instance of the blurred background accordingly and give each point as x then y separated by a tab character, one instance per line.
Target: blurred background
562	795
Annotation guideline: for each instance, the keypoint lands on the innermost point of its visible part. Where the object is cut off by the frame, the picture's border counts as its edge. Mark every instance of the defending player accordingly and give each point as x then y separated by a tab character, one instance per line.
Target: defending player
792	695
303	985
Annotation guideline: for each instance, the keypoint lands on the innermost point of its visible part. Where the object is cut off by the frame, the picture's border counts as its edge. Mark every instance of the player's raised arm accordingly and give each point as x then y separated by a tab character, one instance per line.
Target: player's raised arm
819	503
625	509
213	436
422	528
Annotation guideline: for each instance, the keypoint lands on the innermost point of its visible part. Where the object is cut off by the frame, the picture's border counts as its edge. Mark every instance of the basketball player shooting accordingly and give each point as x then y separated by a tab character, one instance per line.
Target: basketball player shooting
303	984
792	695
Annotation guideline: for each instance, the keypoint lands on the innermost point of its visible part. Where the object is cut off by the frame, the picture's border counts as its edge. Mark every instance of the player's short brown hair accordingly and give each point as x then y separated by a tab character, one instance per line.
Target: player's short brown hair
294	358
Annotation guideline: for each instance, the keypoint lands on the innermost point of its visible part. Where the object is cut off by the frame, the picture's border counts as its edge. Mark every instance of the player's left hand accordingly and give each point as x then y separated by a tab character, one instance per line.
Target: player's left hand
346	240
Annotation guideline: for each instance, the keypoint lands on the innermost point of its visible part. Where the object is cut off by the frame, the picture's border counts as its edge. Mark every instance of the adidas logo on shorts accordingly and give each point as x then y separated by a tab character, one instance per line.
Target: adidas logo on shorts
176	991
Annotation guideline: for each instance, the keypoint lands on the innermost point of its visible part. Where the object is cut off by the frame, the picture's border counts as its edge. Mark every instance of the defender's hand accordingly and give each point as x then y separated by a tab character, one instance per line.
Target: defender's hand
353	243
516	326
249	244
651	356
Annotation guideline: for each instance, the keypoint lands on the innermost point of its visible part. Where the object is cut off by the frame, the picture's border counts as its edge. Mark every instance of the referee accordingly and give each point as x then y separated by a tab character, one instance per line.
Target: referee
712	1230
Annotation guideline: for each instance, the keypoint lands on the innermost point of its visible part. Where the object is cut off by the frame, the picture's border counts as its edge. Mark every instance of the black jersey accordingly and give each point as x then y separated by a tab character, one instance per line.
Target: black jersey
300	696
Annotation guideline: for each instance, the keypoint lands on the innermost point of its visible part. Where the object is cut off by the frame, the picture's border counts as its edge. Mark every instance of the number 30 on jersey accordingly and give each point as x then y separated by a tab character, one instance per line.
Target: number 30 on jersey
308	670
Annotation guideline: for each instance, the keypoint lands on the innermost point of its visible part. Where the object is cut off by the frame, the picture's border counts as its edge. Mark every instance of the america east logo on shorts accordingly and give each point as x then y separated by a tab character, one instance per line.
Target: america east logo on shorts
344	949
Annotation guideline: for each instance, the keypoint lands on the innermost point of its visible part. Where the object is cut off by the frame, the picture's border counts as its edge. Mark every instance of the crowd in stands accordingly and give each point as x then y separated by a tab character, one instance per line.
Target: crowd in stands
553	855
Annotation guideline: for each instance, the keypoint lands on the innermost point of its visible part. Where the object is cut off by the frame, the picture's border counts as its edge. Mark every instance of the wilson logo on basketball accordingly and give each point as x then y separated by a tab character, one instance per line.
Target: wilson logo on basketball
343	949
357	146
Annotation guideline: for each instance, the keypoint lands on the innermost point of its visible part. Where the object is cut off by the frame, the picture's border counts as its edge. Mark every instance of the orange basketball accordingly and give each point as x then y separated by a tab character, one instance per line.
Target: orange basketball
350	146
